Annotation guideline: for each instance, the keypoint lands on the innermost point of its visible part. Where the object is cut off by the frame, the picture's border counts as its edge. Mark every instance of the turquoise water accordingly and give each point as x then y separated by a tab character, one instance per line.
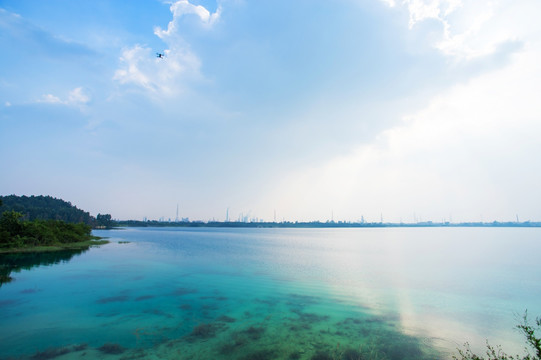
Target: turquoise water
178	293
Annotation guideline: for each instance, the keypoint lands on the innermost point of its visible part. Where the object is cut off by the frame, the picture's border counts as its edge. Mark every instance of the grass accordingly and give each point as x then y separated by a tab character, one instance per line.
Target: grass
56	247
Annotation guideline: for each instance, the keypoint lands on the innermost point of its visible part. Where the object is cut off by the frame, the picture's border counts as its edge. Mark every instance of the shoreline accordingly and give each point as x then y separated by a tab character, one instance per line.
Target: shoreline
57	247
315	224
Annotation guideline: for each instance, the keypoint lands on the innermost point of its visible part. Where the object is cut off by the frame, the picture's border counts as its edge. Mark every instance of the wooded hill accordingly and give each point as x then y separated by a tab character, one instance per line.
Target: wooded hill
49	208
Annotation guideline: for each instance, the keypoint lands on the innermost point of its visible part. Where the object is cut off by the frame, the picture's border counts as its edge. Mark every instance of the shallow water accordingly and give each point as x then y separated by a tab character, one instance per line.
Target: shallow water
179	293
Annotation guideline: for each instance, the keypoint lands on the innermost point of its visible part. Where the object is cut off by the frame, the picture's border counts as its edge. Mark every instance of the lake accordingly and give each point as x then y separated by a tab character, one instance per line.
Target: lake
222	293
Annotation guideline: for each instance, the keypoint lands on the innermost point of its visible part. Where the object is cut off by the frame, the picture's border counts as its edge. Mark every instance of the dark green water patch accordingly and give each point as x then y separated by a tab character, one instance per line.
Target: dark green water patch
207	330
53	353
111	349
309	317
181	291
50	353
158	312
226	319
218	298
111	299
262	354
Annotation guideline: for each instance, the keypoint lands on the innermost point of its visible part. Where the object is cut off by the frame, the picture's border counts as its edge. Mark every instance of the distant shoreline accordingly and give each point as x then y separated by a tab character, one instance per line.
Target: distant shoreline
316	224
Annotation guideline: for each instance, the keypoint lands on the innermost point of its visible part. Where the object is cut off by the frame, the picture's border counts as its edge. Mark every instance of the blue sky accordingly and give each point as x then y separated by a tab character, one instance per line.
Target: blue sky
414	110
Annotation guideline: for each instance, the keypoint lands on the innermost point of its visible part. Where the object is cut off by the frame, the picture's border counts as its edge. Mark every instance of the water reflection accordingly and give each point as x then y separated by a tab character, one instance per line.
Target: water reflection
25	261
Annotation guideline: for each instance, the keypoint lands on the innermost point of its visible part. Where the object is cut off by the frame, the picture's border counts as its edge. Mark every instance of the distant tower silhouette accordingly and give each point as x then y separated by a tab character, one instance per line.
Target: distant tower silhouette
227	215
176	218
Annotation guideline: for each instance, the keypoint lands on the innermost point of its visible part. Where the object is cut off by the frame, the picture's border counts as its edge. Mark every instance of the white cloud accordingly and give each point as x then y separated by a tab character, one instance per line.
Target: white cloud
184	7
136	62
472	29
167	75
76	97
50	99
157	75
469	155
390	3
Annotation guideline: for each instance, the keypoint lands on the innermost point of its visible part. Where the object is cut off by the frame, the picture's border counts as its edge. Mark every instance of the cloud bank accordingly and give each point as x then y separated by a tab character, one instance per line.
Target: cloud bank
469	29
465	156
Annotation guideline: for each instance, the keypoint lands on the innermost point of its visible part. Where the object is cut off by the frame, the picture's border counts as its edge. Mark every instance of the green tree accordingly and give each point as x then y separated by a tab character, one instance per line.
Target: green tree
10	222
104	220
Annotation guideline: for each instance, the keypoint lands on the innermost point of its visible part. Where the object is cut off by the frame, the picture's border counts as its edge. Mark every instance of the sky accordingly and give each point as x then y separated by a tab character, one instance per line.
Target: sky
401	110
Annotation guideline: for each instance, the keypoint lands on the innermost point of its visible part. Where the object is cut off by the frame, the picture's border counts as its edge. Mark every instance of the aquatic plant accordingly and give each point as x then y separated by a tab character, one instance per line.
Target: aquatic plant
181	291
214	297
112	349
158	312
263	354
206	330
309	317
352	354
80	347
322	355
299	327
254	332
338	353
106	300
226	319
50	353
295	355
236	342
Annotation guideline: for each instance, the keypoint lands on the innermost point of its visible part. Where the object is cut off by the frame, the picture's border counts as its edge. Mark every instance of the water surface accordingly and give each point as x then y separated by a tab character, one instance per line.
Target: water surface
179	293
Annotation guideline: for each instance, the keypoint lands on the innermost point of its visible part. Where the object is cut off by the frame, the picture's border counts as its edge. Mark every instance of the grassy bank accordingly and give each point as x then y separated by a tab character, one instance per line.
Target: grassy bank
80	245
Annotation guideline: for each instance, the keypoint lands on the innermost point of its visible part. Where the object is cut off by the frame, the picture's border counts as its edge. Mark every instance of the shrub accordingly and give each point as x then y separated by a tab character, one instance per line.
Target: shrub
496	353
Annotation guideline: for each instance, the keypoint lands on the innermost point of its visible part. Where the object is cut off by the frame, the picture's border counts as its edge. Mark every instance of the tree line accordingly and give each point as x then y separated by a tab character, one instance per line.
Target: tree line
45	221
49	208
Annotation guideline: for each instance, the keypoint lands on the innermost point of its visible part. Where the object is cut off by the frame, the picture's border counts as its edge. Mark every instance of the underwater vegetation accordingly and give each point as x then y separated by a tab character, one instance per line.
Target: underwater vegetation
185	307
119	298
207	330
157	312
263	354
212	326
254	332
50	353
184	291
227	319
309	317
56	352
111	349
219	298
